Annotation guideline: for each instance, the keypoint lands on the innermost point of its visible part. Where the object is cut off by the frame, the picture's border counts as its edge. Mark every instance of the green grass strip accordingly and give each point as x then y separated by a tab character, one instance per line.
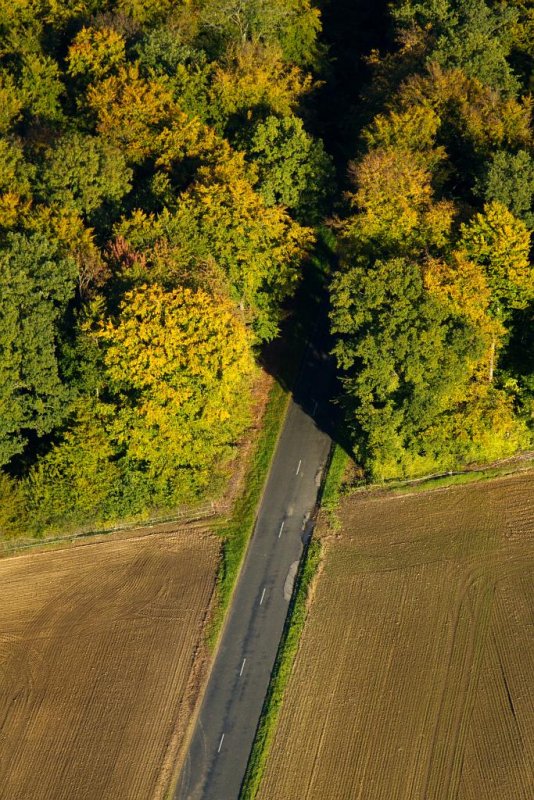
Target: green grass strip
237	532
416	485
281	673
332	485
461	478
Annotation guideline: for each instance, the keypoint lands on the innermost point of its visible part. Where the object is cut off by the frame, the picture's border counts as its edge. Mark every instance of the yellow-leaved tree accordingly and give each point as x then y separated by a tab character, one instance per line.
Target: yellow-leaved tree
255	79
221	225
500	243
394	200
95	53
471	109
178	366
131	111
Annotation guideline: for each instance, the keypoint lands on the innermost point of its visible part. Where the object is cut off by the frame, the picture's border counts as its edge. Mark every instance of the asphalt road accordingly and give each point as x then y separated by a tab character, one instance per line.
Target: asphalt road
222	739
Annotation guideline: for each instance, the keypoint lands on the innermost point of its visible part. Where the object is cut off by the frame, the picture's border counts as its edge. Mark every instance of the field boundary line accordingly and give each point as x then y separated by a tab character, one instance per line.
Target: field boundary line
207	510
518	461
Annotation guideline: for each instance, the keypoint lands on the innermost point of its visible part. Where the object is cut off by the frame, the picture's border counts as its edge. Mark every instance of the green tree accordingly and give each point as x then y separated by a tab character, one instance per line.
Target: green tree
41	87
83	172
77	479
405	359
21	26
509	180
253	251
462	33
420	305
291	24
37	283
163	52
16	176
293	168
10	102
145	11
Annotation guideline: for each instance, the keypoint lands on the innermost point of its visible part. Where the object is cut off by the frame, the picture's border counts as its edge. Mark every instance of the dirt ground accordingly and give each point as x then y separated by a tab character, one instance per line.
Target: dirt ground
415	675
101	660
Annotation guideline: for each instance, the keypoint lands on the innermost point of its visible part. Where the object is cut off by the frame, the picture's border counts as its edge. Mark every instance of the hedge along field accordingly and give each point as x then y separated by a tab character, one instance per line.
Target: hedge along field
102	658
415	668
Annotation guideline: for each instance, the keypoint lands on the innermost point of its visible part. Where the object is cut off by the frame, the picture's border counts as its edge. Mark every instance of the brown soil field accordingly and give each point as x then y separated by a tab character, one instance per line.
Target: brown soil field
414	678
101	662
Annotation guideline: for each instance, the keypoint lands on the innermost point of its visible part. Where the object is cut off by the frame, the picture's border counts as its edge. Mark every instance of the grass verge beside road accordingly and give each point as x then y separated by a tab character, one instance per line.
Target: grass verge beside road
237	532
334	479
522	462
461	478
332	488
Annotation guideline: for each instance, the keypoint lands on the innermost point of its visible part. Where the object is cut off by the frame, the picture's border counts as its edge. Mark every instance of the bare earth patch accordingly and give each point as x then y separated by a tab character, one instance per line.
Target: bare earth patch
101	663
415	675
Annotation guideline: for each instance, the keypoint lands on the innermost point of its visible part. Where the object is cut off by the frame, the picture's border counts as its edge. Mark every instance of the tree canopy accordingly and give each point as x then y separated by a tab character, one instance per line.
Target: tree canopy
148	240
434	245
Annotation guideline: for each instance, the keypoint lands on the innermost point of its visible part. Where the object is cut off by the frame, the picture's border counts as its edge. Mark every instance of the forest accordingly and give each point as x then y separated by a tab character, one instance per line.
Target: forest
167	169
432	303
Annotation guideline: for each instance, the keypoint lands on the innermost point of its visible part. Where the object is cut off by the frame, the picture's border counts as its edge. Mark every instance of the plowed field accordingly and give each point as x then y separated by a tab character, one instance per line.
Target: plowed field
415	675
101	655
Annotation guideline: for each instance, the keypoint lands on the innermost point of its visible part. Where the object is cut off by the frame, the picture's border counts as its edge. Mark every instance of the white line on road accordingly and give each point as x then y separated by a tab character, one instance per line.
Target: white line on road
220	744
298	468
314	409
242	667
262	595
281	528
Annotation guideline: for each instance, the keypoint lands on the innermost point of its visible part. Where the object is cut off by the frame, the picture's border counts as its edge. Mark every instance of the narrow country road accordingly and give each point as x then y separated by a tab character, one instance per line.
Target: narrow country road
221	743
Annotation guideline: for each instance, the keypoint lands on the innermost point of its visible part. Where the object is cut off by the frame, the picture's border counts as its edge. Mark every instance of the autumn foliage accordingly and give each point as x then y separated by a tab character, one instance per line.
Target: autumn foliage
435	288
147	243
